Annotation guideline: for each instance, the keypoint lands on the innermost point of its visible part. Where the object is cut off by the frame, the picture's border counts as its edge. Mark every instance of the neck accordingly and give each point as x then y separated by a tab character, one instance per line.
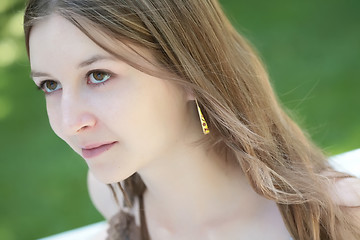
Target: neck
195	187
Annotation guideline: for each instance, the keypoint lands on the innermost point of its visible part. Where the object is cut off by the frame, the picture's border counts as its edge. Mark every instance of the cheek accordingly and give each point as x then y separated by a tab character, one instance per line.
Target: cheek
54	117
153	120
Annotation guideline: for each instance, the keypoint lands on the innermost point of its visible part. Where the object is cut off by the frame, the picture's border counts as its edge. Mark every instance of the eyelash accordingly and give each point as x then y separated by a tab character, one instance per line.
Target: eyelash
87	75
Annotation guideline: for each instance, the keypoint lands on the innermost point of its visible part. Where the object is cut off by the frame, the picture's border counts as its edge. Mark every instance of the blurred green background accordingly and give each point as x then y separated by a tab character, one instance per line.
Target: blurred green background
311	49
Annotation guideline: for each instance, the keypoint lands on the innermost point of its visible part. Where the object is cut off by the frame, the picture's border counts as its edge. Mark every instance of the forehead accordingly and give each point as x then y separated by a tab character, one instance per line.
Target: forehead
55	38
55	42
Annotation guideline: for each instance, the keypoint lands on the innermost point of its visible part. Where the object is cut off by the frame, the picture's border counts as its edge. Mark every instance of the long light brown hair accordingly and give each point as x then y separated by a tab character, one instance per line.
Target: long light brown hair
196	43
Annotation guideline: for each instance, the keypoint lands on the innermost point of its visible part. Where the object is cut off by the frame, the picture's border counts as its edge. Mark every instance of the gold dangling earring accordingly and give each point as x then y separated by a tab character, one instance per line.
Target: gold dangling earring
204	125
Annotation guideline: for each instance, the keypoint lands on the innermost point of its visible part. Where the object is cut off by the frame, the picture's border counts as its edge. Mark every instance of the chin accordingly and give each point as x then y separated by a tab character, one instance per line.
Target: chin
110	176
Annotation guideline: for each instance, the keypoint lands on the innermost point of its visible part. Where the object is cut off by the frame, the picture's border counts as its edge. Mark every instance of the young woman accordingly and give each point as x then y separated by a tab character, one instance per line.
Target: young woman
165	100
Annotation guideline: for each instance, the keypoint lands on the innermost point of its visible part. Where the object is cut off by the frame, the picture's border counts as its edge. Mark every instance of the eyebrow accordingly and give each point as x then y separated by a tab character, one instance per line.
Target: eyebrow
83	64
94	59
38	74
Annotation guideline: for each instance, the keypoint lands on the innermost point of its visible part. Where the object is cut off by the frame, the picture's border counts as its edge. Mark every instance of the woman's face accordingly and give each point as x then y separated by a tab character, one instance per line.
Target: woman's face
116	117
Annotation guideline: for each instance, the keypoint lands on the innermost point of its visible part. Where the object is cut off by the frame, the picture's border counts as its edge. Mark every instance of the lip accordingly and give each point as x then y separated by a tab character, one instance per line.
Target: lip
95	150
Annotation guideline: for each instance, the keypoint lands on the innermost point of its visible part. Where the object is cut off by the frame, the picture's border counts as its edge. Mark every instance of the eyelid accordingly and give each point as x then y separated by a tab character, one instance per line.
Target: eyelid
40	85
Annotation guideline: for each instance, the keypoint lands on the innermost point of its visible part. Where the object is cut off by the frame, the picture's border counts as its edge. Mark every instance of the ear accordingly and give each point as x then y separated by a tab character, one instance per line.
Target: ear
190	96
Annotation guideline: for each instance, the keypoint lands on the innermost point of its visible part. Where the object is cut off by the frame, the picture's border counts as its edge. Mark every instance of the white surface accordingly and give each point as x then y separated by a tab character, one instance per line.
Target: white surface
348	162
88	232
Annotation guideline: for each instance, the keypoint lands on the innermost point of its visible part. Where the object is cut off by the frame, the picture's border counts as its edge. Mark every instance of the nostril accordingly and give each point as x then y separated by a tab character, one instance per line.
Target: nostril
82	128
77	119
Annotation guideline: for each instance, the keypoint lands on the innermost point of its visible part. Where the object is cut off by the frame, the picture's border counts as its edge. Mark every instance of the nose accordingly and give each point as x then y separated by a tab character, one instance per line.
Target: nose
77	115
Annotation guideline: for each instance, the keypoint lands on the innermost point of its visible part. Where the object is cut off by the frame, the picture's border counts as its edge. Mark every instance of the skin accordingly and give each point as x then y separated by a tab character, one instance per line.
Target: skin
191	193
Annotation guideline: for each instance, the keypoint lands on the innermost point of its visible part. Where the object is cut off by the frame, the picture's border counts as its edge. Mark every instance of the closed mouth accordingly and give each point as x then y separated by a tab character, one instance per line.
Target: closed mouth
89	152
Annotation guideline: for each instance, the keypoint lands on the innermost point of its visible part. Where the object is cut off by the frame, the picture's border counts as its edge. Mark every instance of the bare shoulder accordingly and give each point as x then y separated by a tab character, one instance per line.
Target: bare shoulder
102	197
346	191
